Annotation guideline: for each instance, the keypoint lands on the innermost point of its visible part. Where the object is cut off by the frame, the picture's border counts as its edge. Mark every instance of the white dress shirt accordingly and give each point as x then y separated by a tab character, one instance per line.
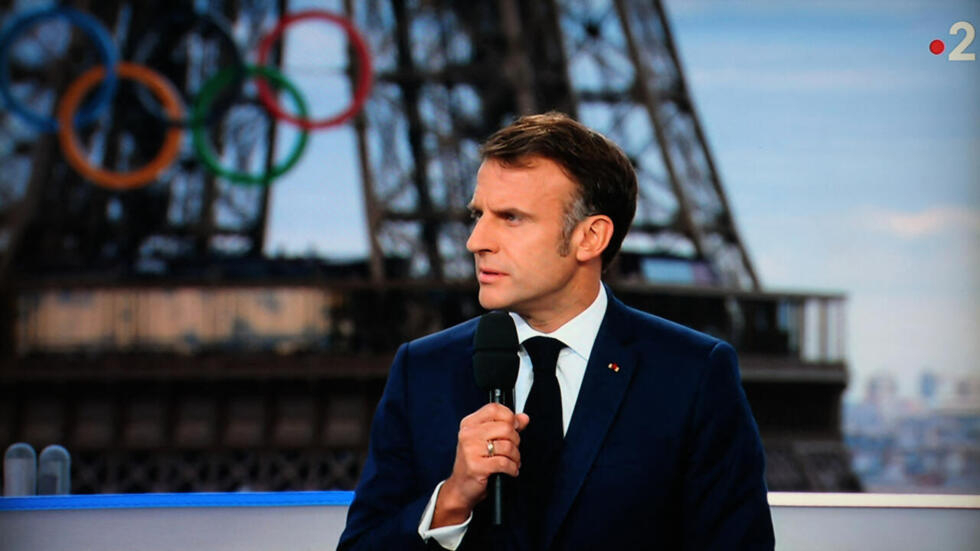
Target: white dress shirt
579	335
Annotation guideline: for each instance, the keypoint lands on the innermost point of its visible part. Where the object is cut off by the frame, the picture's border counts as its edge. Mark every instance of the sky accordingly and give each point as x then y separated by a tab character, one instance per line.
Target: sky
851	155
849	152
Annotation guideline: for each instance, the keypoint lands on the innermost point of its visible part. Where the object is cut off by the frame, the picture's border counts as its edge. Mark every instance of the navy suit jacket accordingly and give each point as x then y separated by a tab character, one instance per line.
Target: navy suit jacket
662	454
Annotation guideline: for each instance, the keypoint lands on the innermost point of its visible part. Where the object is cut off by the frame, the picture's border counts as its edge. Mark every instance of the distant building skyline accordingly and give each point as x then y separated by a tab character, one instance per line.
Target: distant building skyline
924	443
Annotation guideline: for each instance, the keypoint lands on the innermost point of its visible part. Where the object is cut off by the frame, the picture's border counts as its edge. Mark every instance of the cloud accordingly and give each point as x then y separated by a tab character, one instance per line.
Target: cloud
925	223
838	250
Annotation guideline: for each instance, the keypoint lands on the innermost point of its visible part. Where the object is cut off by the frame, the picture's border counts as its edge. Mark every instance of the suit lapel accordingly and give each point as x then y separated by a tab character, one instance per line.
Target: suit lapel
598	401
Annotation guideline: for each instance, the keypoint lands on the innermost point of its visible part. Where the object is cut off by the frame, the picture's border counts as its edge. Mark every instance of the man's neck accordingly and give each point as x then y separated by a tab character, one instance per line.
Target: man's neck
550	319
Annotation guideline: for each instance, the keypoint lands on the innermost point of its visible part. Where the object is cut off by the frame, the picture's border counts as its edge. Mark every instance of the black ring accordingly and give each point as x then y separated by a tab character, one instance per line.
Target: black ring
173	27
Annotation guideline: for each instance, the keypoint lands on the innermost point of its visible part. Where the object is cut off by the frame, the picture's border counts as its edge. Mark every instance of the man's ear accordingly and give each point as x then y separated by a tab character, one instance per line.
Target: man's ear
594	235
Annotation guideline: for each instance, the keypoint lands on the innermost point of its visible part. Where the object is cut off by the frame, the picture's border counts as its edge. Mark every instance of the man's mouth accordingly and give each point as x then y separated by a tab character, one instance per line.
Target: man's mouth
486	275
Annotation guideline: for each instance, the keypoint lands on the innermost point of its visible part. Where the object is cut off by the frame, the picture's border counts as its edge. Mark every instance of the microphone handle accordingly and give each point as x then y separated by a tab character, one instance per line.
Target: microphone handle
504	397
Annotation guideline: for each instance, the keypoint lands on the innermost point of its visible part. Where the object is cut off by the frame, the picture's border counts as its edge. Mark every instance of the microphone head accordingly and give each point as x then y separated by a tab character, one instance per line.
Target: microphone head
495	346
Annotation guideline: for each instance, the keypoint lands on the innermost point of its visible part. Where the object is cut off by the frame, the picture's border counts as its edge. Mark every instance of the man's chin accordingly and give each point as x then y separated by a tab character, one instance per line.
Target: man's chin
490	299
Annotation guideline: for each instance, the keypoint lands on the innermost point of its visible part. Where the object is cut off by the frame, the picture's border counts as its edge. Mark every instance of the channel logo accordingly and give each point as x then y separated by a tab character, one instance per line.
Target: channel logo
958	53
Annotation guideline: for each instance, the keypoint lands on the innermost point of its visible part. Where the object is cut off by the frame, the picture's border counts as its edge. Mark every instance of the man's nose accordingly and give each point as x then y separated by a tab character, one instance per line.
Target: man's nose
480	237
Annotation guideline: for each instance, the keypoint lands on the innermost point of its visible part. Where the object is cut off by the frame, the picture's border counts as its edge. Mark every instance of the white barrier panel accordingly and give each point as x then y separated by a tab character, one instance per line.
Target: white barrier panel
873	522
303	521
297	521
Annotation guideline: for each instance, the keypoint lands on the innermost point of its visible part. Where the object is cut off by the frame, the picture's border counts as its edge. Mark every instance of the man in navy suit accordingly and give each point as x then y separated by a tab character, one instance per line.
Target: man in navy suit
657	447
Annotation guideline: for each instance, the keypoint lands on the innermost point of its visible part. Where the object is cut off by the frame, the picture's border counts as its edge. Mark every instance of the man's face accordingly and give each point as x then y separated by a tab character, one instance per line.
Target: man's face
516	237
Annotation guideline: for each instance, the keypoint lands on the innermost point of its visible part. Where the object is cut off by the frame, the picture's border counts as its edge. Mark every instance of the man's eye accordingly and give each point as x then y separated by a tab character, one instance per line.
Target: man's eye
475	215
511	217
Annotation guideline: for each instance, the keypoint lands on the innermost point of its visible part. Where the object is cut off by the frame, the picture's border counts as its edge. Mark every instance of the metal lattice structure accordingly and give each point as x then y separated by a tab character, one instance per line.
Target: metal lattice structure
123	337
256	471
450	73
447	75
53	221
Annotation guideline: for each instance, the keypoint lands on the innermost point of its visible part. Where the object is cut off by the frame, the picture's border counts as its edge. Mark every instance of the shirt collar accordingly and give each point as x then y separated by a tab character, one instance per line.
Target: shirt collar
578	333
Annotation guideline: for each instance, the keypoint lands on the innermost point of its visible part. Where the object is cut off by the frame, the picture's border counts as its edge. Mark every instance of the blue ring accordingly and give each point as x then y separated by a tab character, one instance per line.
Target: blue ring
103	42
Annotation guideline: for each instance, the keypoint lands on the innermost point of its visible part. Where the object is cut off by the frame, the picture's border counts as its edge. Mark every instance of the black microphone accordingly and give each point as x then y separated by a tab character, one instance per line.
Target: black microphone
495	363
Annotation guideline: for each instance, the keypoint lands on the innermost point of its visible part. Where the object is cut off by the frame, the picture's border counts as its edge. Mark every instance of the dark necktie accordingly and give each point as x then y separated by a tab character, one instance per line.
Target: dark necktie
544	434
541	441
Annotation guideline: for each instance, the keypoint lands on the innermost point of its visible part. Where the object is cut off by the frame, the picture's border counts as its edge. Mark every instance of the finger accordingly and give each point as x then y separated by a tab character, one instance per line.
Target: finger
477	449
490	412
506	448
504	465
476	455
489	431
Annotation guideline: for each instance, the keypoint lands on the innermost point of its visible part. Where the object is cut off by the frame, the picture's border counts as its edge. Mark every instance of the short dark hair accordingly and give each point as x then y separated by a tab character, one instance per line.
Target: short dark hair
604	174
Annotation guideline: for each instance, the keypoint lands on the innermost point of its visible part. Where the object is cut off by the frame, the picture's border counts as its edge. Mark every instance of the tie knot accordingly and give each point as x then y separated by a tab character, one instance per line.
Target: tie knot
544	352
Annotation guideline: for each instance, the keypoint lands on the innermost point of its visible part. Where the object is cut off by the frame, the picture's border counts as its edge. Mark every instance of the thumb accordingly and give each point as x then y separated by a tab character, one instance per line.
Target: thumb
520	421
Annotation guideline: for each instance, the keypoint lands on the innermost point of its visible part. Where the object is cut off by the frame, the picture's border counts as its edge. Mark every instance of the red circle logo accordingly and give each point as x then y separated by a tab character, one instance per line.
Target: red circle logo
937	47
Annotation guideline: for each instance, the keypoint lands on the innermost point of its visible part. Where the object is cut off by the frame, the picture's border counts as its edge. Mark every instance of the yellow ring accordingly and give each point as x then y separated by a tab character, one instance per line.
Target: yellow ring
72	149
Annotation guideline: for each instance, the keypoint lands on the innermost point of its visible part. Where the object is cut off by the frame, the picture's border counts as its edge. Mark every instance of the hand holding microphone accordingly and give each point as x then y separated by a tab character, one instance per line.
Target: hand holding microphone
475	471
488	439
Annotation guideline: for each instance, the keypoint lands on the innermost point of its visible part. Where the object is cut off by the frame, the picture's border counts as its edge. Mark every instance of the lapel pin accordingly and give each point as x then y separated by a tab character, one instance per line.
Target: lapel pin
614	367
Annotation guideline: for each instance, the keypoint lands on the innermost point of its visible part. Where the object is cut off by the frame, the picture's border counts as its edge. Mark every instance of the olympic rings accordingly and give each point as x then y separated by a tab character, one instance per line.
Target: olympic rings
70	111
364	80
204	149
69	140
90	26
175	26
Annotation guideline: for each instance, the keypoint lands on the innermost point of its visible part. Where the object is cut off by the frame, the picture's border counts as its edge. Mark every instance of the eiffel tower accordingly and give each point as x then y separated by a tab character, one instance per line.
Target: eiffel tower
264	372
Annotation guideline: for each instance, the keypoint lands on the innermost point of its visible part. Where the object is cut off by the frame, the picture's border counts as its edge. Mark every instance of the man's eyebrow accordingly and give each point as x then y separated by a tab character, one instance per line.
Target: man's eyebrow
511	210
473	209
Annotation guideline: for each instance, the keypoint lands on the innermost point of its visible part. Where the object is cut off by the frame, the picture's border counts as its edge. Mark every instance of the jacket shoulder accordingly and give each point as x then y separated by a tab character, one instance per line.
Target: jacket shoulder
649	327
457	337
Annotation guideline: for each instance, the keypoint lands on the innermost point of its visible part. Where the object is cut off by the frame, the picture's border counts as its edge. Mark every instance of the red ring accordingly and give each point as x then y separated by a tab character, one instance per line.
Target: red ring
361	90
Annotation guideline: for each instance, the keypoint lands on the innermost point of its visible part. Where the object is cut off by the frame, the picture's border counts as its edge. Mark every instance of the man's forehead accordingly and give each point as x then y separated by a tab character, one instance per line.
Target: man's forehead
532	181
500	188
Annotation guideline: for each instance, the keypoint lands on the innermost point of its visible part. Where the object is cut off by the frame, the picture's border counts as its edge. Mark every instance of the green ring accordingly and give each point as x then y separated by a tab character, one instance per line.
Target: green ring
203	102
